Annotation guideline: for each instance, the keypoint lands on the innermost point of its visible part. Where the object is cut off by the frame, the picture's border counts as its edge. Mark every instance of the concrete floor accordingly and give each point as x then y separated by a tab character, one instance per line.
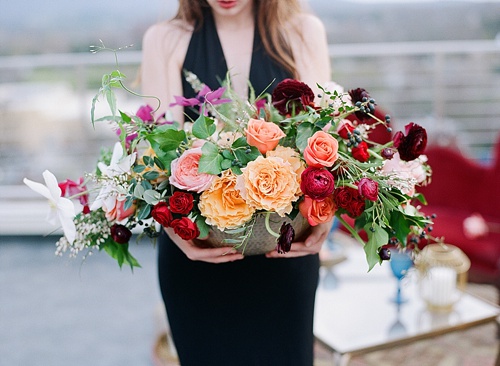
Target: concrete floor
55	311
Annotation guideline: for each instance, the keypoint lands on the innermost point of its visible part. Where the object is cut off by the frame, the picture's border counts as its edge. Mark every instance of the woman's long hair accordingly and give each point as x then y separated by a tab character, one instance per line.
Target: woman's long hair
271	17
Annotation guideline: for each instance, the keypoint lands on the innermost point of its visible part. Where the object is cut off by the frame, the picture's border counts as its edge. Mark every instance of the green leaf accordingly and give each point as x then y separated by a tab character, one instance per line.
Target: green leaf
148	160
240	142
210	161
146	185
202	226
139	168
166	140
226	164
139	191
400	225
129	201
159	163
376	239
125	117
152	197
144	212
111	98
151	175
245	157
304	131
203	127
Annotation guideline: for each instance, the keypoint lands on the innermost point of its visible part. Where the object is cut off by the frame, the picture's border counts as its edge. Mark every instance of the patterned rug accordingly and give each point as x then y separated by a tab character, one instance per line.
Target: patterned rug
477	346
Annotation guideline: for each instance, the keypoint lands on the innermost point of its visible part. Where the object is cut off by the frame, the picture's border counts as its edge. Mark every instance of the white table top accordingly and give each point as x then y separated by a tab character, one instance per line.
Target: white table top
357	314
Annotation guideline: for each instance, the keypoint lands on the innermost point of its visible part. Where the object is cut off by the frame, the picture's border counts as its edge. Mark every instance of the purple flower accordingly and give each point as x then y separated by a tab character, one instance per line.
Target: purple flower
411	145
145	113
287	235
205	95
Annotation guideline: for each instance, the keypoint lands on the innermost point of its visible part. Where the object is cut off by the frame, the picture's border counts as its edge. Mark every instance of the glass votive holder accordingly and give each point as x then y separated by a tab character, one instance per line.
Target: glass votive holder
443	275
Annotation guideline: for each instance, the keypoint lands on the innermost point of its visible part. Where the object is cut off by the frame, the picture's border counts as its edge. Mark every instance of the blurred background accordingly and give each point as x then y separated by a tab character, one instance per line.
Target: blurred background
436	63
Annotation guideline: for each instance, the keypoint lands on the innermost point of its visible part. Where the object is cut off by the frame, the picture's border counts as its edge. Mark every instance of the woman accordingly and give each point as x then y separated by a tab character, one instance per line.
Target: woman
225	309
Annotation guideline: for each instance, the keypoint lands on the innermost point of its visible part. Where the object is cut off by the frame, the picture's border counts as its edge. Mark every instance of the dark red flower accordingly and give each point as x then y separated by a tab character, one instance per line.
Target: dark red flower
413	144
162	214
185	228
359	95
360	152
317	183
120	234
292	96
285	240
181	202
388	153
368	189
350	200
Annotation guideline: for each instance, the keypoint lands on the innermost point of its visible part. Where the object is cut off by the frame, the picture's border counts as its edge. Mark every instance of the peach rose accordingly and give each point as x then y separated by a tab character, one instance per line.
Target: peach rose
317	212
322	150
185	173
269	184
290	155
263	135
222	204
118	212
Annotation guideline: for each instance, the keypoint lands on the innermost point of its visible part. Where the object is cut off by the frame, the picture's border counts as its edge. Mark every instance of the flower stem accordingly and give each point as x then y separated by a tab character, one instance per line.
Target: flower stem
351	229
268	226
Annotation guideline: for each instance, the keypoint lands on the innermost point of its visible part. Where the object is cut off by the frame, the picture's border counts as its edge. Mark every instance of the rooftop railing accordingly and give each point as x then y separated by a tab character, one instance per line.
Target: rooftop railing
451	88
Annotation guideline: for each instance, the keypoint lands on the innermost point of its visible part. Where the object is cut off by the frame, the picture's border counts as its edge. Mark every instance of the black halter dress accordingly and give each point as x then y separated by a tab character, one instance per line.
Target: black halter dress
255	311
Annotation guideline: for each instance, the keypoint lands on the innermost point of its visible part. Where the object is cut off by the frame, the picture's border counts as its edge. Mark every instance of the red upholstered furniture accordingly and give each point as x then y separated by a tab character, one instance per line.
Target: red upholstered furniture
459	188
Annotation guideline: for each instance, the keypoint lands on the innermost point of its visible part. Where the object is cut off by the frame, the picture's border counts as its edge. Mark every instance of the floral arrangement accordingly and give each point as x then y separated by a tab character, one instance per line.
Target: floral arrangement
278	153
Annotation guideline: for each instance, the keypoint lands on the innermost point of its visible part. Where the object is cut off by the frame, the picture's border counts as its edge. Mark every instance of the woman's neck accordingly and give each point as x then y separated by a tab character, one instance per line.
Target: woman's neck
242	20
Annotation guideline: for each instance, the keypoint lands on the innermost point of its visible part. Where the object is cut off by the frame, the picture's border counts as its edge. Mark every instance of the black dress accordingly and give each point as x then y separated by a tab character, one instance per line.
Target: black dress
255	311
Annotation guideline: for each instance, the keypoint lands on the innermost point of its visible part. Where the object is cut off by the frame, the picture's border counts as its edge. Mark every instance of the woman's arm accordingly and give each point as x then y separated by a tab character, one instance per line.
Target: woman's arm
310	51
163	49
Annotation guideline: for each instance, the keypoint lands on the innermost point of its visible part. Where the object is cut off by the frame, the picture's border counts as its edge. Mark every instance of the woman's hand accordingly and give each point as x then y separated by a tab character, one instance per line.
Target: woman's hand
209	255
311	245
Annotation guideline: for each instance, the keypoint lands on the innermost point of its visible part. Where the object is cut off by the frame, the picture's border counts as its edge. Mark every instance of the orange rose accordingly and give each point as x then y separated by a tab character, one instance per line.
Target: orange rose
269	184
263	135
322	150
317	212
222	204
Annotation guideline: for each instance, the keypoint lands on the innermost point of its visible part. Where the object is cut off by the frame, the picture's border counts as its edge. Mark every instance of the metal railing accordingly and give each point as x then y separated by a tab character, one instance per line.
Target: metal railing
452	88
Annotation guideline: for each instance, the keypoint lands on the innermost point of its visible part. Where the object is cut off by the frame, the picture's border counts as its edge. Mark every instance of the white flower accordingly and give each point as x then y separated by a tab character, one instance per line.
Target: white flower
111	190
61	210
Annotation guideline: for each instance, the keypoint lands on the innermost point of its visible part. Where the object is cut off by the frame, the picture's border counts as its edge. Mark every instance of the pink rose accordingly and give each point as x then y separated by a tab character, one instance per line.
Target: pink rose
118	212
368	189
185	173
263	135
322	150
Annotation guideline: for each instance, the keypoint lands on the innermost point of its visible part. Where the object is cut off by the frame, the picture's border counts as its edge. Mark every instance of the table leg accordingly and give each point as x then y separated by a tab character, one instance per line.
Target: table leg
341	359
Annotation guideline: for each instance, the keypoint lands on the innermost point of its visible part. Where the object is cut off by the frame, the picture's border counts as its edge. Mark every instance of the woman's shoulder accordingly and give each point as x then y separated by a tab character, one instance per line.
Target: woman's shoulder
307	25
169	30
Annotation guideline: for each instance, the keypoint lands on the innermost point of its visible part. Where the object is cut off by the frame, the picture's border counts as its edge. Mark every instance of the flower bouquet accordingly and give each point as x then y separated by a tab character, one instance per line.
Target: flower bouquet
270	166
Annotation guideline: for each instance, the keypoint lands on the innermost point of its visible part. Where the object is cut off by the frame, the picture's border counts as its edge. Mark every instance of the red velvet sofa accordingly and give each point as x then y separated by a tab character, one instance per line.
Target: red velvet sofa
460	187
